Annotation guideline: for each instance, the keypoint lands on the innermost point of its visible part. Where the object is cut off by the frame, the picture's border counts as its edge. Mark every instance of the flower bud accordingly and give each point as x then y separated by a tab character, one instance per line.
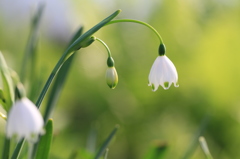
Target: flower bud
112	77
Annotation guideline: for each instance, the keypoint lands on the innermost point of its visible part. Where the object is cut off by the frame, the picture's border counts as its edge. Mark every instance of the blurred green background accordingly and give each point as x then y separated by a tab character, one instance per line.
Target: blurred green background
202	39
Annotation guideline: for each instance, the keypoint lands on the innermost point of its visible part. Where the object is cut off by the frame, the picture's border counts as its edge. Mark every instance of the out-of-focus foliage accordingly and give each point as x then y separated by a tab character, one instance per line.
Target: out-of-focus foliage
202	40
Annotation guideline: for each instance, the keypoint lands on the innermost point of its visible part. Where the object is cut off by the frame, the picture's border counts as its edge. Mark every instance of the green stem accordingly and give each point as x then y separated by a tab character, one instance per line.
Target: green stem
139	22
204	147
17	149
105	45
32	43
30	150
52	75
6	148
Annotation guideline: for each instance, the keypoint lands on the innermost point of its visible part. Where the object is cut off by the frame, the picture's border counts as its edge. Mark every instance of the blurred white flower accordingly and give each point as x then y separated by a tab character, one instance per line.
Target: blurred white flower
163	72
24	121
111	77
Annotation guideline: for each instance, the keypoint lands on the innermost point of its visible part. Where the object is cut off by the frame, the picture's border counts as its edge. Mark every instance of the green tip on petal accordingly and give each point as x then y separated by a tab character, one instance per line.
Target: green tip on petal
153	87
113	86
166	85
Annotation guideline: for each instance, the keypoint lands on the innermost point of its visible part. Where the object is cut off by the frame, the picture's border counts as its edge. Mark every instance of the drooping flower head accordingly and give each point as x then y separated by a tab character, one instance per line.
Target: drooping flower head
111	77
163	72
111	74
24	121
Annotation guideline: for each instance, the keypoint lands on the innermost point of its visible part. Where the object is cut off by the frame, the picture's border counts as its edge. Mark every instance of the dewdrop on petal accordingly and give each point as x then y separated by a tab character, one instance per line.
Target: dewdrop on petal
163	72
24	121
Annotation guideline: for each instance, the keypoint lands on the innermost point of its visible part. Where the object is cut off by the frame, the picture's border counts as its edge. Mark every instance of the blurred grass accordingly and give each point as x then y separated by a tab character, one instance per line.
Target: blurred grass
202	40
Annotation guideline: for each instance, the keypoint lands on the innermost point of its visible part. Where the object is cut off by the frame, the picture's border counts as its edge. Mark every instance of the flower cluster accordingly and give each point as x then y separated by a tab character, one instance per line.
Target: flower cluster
24	120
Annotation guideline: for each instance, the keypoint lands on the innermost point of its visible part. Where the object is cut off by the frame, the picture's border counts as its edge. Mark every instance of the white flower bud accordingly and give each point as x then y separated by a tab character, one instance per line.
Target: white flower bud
111	77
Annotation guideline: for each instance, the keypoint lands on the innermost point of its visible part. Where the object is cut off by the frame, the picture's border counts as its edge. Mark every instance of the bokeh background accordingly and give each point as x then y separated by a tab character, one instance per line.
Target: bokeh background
202	39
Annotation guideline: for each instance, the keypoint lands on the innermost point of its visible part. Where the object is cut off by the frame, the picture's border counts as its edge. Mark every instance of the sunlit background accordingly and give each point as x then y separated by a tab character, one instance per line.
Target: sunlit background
203	41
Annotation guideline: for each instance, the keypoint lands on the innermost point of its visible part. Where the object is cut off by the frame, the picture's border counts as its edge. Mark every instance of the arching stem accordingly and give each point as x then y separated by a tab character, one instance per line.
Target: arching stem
139	22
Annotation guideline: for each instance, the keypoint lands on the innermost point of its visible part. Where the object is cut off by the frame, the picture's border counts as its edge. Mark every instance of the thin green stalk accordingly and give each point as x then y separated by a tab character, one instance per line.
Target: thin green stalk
194	143
106	154
139	22
32	43
106	143
204	147
18	148
58	85
6	148
30	150
105	45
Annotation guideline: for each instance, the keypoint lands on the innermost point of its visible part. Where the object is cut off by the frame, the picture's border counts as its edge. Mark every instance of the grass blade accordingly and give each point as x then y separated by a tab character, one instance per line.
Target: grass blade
204	147
157	151
59	81
6	148
32	42
106	143
45	142
194	143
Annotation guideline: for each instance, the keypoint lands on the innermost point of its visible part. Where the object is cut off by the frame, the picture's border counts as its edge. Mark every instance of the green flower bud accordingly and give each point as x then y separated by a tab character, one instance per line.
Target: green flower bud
112	77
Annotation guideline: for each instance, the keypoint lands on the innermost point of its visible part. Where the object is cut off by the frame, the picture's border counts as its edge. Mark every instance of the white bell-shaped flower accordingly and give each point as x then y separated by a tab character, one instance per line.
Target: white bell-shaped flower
163	72
24	121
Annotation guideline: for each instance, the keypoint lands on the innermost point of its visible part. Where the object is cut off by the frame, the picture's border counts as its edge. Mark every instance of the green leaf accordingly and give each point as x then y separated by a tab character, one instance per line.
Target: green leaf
192	147
58	85
7	82
76	44
45	141
59	81
157	151
106	143
18	149
31	47
69	51
106	154
6	148
204	147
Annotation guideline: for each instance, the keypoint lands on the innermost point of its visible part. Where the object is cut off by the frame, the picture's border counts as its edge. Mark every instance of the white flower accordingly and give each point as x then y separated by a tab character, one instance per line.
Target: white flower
24	121
111	77
163	72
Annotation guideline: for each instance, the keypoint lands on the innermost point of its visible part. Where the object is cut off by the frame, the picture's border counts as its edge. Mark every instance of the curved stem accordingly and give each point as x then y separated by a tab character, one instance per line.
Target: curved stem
105	45
139	22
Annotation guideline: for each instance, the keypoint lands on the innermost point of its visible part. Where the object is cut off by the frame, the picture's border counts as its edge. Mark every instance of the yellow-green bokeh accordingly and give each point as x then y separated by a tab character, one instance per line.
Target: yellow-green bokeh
202	40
